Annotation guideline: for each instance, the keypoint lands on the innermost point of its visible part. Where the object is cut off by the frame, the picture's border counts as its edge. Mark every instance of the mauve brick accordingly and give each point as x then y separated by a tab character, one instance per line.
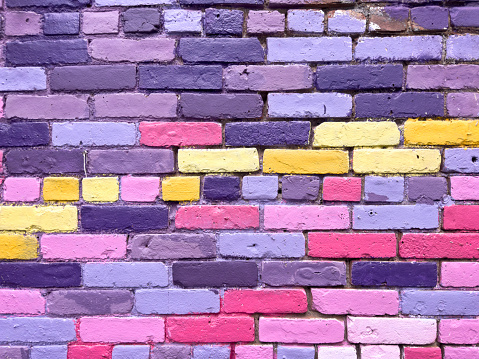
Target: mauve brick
48	3
388	18
105	22
221	50
215	274
52	107
167	351
223	22
426	18
141	20
462	47
464	104
466	16
40	275
15	352
426	189
459	331
394	274
22	79
265	22
133	50
131	352
21	23
183	77
20	134
303	273
221	188
427	77
300	188
44	161
462	160
309	105
61	23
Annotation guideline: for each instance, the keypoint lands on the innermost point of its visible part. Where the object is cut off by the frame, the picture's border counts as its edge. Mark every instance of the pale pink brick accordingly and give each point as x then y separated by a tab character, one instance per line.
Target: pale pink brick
21	189
139	189
461	352
132	50
459	331
464	188
265	22
254	352
105	22
342	352
460	274
168	134
380	352
19	301
342	189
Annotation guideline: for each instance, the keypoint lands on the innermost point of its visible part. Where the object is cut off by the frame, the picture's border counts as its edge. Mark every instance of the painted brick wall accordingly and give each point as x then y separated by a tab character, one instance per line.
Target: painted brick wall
239	179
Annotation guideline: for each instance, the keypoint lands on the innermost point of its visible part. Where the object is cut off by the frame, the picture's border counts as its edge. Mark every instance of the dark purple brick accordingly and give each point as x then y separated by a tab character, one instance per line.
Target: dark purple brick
48	3
44	162
141	20
300	188
67	23
221	50
429	18
467	16
394	274
304	273
221	188
20	134
94	77
223	22
426	189
40	275
273	133
182	77
215	274
89	302
131	161
406	104
47	52
14	352
359	77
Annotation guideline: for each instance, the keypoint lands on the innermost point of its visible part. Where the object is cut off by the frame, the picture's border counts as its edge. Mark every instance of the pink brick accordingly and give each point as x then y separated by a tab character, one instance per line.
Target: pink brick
140	189
254	352
264	21
21	189
306	217
217	217
210	329
19	301
340	352
81	351
167	134
380	352
439	245
460	274
459	331
351	245
132	50
342	189
422	353
122	330
463	217
356	301
265	301
464	188
461	353
308	331
83	246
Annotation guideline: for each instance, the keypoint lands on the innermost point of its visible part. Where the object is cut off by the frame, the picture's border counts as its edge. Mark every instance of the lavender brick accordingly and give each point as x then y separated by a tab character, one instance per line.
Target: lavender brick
388	18
462	160
20	134
124	219
14	352
221	188
179	20
37	330
22	79
49	352
308	105
93	134
466	16
215	274
429	18
131	352
271	133
132	2
427	77
40	275
260	187
171	351
221	106
143	20
346	22
177	301
304	273
300	188
67	23
293	352
125	274
44	162
462	47
89	302
182	77
172	246
211	351
223	22
48	3
383	189
463	104
306	21
426	302
426	189
394	274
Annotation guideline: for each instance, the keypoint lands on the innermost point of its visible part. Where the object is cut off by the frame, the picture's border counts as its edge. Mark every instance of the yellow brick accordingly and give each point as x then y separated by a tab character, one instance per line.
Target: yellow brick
38	218
441	133
230	160
181	189
18	246
396	161
100	189
61	189
356	134
305	161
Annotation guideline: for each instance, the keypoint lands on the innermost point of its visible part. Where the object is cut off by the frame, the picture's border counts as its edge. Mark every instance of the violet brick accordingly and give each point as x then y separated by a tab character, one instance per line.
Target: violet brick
426	189
304	273
427	302
49	352
22	79
462	47
67	23
465	16
260	187
346	22
48	3
265	22
306	21
124	219
37	330
19	134
300	188
184	77
223	22
93	133
15	352
426	18
464	104
462	160
383	189
221	188
388	18
215	274
142	20
308	105
394	274
40	275
296	352
426	77
44	161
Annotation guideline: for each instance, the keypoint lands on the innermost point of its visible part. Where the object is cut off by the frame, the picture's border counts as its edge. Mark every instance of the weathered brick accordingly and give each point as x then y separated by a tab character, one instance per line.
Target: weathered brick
79	351
346	22
465	16
38	218
461	352
21	23
305	161
222	2
105	22
265	301
265	22
52	107
179	21
131	50
425	18
342	189
21	189
61	23
217	217
383	189
48	3
300	188
260	187
93	134
22	79
447	132
40	275
462	47
21	301
218	160
460	274
223	22
380	351
307	105
37	330
221	188
426	77
168	134
344	352
183	77
451	302
19	134
140	189
463	104
303	273
388	18
131	2
306	217
142	20
305	21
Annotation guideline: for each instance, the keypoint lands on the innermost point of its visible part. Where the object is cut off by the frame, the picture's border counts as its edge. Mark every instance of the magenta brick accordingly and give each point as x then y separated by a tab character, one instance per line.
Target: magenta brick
342	189
217	217
459	331
168	134
422	353
461	352
462	217
460	274
439	245
265	22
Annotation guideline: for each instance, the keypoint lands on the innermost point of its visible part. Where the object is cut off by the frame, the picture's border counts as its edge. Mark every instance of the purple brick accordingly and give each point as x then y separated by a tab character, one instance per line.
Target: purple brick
271	133
359	77
171	351
406	104
182	77
215	274
67	23
462	47
221	106
223	22
221	188
394	274
389	18
304	273
14	352
439	302
455	77
429	18
462	160
40	275
463	104
222	2
48	3
300	188
20	134
124	219
466	16
141	20
44	162
383	189
426	189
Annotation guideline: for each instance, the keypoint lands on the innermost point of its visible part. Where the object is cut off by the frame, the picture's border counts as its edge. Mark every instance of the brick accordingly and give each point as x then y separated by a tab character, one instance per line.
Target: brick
93	134
17	246
181	188
305	161
289	3
415	302
342	189
462	105
140	189
100	189
89	302
303	273
131	352
49	352
458	331
177	301
462	47
14	352
21	301
215	274
296	352
461	217
427	18
383	189
312	49
21	189
265	22
61	23
40	275
221	188
456	77
124	218
466	16
52	107
47	52
22	79
346	352
223	22
210	329
83	246
305	21
131	50
155	105
211	351
61	189
426	189
105	22
171	351
178	21
183	77
391	330
96	351
143	20
131	2
221	50
346	22
37	330
38	218
422	353
48	3
218	160
21	23
19	134
300	188
261	245
459	274
172	246
441	133
260	187
464	187
122	330
403	48
462	160
308	331
254	351
394	274
380	351
168	134
461	352
309	105
222	2
355	302
439	245
351	245
270	301
388	19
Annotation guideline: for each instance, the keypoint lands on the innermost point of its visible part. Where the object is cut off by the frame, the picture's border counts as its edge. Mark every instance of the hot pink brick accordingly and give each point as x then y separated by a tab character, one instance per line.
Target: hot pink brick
461	353
167	134
464	188
306	217
140	189
81	351
342	189
460	274
461	217
21	189
264	21
217	217
422	353
18	301
439	245
254	352
459	331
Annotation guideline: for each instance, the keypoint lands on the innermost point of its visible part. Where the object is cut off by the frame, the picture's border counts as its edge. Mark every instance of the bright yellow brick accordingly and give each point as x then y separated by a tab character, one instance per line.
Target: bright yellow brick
100	189
396	161
181	189
356	134
38	218
305	161
217	160
61	189
18	246
441	133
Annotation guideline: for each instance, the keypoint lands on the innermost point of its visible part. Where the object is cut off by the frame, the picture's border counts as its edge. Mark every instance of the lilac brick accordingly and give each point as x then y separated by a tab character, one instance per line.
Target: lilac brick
463	104
142	20
49	352
304	273
404	48
136	161
221	188
22	23
40	275
177	21
211	352
265	22
131	352
462	160
427	302
14	352
125	274
221	106
177	301
306	21
171	351
462	47
18	134
429	18
383	189
388	18
22	79
48	3
466	16
260	187
223	22
295	352
346	22
308	105
300	188
93	134
44	162
67	23
404	104
426	189
427	77
182	77
37	330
